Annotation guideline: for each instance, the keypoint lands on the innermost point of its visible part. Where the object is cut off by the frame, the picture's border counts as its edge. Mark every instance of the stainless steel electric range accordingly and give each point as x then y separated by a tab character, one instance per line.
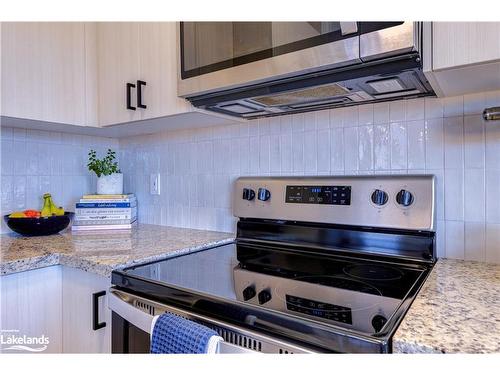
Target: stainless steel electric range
319	264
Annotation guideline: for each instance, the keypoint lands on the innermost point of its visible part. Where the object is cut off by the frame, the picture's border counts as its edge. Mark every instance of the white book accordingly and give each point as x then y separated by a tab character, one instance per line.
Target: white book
103	227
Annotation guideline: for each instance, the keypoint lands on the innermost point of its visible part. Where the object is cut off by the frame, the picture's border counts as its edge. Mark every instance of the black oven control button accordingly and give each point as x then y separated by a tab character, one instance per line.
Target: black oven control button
248	194
404	198
248	293
379	197
264	296
378	322
264	194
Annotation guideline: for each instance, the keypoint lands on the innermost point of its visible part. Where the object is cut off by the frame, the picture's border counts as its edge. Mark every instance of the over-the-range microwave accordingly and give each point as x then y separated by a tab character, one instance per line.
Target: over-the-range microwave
256	69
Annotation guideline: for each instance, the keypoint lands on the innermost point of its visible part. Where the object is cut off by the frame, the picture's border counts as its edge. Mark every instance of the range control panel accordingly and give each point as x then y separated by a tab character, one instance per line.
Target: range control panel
319	309
340	195
403	202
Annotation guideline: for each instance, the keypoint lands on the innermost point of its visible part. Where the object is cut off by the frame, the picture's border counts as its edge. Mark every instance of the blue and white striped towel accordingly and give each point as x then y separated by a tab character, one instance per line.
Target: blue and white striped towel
172	334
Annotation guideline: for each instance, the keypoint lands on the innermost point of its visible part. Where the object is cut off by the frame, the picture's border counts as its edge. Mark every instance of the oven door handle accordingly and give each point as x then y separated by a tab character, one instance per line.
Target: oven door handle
130	313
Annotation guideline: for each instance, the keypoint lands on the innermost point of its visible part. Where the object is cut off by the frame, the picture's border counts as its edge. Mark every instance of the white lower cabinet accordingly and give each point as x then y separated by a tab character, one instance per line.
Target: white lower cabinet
80	291
58	303
31	305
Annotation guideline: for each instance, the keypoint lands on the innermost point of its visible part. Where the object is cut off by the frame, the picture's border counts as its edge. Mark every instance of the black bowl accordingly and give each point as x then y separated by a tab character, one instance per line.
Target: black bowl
42	226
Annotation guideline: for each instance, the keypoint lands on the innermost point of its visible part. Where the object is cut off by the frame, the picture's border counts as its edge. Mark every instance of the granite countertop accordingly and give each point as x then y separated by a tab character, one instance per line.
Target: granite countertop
456	311
99	252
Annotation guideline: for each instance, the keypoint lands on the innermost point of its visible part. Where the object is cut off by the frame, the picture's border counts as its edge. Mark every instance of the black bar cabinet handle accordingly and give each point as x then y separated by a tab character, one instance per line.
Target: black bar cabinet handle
139	94
129	99
95	311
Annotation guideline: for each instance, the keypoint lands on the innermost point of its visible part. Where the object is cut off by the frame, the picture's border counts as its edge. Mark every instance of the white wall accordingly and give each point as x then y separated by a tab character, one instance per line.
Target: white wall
35	162
445	137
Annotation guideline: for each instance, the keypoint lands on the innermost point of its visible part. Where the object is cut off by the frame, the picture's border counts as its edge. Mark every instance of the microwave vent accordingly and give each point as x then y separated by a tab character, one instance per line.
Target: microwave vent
312	94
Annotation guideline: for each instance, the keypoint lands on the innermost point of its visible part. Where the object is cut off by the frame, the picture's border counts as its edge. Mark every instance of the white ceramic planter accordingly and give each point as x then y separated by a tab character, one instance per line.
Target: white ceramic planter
112	184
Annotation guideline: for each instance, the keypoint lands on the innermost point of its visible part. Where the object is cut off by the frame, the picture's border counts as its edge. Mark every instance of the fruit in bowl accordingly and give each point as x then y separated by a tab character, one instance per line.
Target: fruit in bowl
50	220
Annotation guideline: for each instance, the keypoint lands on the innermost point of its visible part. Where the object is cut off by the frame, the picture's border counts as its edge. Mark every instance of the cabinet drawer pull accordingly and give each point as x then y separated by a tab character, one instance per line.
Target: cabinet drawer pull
95	311
139	94
129	99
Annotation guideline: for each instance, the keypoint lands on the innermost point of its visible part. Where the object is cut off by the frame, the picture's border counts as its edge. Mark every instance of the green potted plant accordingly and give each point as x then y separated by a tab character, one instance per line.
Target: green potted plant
109	176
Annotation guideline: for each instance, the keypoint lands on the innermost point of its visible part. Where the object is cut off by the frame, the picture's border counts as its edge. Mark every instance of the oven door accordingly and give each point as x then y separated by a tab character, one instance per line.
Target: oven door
223	55
131	326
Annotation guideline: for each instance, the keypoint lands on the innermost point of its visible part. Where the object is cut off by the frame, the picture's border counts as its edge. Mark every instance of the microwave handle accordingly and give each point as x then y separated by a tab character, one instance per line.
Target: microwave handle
347	28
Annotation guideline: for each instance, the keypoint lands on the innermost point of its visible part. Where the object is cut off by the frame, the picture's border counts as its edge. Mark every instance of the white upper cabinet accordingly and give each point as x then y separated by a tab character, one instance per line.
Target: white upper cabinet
465	57
118	64
48	72
158	68
137	71
464	43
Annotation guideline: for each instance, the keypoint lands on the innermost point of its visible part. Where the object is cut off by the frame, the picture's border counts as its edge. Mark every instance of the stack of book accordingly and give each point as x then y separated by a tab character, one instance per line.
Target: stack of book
105	212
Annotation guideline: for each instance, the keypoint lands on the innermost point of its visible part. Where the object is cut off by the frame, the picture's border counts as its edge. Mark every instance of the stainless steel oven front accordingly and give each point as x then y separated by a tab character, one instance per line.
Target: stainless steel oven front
224	55
132	317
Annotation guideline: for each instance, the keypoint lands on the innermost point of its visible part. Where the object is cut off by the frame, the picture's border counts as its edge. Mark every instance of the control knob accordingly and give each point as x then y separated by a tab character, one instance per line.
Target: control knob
264	194
264	296
248	194
404	198
248	293
379	197
378	322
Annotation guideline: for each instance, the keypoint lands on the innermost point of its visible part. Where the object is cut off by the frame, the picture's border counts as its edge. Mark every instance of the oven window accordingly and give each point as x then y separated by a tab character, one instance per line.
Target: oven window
210	46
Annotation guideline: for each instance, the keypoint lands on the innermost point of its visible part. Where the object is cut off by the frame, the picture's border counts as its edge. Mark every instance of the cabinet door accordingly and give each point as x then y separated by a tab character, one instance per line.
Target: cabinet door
463	43
44	69
118	64
30	305
158	68
79	336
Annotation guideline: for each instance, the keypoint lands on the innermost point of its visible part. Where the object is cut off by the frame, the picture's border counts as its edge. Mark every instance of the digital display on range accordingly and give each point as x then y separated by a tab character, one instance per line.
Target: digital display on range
320	309
339	195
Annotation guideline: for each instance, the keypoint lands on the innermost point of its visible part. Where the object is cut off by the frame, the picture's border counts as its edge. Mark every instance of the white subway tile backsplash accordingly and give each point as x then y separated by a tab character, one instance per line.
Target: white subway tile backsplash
492	196
297	152
298	123
492	149
274	154
351	151
453	142
474	103
265	152
337	150
365	113
286	153
453	106
382	147
415	109
474	195
433	108
399	146
475	241
350	116
365	148
434	144
454	242
310	152
474	142
492	243
397	111
36	162
454	194
416	144
381	113
323	142
445	137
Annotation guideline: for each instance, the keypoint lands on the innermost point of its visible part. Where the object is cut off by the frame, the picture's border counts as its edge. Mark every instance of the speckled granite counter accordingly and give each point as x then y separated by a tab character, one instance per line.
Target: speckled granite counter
456	311
101	253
